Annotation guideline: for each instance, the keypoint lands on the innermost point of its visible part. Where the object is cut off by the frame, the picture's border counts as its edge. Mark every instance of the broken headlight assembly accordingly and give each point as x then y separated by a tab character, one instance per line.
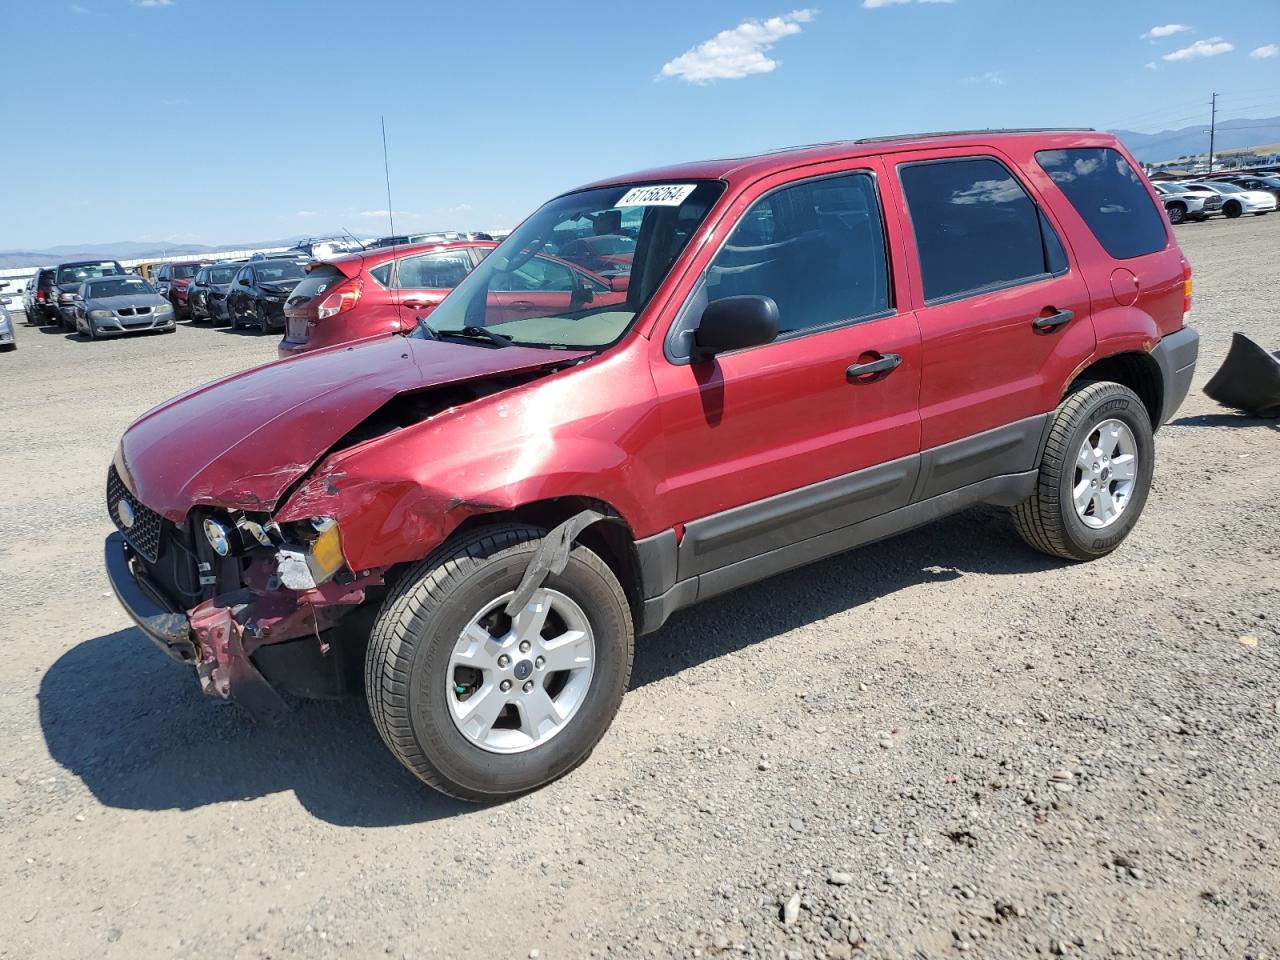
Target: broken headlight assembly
307	553
312	554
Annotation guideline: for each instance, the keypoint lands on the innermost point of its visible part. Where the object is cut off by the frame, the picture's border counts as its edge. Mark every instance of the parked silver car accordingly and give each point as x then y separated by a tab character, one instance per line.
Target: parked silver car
115	305
7	341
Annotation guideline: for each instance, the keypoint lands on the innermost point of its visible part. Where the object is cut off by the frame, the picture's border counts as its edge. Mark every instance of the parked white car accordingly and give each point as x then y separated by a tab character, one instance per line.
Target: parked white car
1237	200
1181	204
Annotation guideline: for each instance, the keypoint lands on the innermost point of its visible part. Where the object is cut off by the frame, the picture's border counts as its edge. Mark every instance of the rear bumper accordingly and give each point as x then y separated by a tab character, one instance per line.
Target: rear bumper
1176	356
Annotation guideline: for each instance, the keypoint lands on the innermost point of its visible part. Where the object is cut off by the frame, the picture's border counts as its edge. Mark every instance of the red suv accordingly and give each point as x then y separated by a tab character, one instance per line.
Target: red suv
386	290
817	348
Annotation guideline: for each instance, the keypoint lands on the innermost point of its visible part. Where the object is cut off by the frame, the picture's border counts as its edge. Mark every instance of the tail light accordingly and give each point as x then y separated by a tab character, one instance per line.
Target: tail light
41	295
341	300
1186	287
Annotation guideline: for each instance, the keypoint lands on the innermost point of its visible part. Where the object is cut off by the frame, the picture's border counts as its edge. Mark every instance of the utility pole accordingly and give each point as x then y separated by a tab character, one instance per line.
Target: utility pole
1213	123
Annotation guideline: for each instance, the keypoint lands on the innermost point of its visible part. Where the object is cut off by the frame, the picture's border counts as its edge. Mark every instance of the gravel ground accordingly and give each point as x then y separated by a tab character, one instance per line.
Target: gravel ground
945	743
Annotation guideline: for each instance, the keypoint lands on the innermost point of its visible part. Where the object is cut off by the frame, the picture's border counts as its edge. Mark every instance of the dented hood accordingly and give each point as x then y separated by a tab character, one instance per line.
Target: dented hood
243	441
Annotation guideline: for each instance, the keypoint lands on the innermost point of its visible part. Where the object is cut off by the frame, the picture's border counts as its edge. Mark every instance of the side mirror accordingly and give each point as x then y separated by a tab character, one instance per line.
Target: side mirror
620	283
733	323
244	281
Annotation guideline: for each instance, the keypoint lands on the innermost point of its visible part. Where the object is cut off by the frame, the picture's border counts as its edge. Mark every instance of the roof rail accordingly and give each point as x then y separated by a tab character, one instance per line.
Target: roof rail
959	133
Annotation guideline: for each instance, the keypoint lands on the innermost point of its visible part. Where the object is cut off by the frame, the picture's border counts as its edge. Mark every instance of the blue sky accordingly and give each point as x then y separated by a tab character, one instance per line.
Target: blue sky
239	120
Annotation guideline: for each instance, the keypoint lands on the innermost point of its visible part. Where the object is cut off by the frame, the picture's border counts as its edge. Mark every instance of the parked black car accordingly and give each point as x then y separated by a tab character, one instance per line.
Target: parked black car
39	301
207	296
67	279
257	296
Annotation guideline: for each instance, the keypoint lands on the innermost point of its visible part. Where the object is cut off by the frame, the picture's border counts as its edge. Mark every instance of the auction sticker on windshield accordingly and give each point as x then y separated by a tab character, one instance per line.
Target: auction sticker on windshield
662	195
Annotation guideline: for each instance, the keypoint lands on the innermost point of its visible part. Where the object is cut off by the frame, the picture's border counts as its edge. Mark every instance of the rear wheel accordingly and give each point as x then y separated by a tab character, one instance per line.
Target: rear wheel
484	706
1095	474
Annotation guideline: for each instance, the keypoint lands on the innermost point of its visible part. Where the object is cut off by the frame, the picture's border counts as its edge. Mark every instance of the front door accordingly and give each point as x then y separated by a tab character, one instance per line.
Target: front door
819	429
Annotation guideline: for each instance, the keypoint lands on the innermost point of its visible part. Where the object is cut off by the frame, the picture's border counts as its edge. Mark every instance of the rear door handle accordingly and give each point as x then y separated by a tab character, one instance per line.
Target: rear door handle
1054	321
886	363
522	304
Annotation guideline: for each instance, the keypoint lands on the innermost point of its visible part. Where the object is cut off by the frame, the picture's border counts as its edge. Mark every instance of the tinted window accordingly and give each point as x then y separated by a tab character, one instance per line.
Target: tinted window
1110	197
185	271
382	273
271	271
118	288
443	270
816	248
222	274
79	272
976	227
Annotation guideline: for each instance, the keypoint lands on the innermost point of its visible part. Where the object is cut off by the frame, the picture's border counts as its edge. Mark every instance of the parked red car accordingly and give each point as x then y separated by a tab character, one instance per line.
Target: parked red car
817	348
386	290
172	281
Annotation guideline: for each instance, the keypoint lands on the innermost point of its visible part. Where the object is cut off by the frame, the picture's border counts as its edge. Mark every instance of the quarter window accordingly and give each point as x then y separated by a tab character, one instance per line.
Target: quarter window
816	248
1110	197
976	228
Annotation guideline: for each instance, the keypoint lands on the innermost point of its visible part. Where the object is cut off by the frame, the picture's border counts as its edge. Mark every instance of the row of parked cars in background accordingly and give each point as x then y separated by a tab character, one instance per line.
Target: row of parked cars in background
1230	195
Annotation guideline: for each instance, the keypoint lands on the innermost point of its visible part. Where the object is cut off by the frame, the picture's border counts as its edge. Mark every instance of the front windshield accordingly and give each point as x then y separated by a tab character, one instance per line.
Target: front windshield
578	272
271	271
222	274
185	271
79	272
132	287
1227	188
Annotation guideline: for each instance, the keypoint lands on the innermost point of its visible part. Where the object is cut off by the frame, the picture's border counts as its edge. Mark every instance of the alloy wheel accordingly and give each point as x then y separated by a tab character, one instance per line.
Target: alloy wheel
513	683
1105	473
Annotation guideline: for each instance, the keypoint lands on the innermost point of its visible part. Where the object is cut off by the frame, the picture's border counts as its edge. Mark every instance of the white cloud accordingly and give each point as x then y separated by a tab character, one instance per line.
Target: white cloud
1265	53
1168	30
152	3
1201	48
77	8
876	4
740	52
384	213
991	76
306	213
1152	66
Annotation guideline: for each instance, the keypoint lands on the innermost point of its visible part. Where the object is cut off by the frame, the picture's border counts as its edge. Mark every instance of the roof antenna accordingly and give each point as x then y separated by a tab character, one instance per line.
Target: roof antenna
386	169
391	216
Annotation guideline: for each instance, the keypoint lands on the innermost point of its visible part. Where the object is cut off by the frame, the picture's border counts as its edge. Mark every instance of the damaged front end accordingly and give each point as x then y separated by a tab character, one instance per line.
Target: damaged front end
253	606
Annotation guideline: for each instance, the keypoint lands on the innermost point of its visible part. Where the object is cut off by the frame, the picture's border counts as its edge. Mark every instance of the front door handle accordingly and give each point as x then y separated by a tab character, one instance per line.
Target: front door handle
1053	321
886	363
522	304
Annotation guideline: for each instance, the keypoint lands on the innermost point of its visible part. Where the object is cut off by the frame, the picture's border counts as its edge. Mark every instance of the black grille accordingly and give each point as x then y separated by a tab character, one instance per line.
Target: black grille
145	533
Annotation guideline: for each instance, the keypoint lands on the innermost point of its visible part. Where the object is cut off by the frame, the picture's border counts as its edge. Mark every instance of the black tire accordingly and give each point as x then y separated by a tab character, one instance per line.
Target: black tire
1232	210
93	334
1177	213
406	664
1048	519
264	321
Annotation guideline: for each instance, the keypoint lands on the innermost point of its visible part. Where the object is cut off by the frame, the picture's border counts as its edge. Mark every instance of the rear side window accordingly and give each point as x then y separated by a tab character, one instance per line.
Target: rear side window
434	271
1110	197
816	248
976	228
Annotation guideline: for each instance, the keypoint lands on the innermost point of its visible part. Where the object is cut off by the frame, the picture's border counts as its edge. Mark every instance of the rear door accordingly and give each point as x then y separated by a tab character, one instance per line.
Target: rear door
1004	314
775	444
424	279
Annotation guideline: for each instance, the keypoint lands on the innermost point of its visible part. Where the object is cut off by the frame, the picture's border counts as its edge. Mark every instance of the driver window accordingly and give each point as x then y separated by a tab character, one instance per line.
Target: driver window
816	248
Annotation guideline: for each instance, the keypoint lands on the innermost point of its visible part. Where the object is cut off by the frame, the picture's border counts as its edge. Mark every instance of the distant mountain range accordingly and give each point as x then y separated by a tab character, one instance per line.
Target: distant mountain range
1171	144
128	250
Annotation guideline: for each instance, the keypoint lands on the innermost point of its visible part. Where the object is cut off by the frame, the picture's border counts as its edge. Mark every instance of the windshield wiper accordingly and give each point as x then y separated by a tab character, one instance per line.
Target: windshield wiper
427	329
478	333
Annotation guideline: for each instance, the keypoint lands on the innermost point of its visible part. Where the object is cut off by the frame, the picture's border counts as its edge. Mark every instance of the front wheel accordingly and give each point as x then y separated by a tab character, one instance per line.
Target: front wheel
1232	210
484	706
1095	474
1177	213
